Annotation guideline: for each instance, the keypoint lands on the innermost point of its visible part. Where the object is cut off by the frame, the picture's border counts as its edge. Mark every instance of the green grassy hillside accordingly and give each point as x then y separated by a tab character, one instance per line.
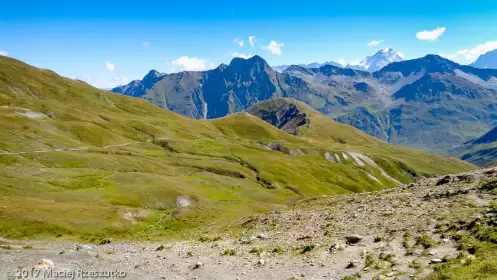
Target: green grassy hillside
86	163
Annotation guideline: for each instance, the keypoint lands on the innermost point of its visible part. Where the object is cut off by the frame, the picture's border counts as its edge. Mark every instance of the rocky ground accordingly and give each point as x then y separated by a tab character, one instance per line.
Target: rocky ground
401	233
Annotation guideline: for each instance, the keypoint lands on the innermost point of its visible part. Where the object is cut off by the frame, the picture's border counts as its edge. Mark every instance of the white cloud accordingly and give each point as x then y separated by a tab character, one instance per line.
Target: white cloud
401	54
120	79
274	47
146	44
474	53
241	55
342	62
189	63
251	40
4	53
448	56
238	42
465	55
374	43
431	35
111	67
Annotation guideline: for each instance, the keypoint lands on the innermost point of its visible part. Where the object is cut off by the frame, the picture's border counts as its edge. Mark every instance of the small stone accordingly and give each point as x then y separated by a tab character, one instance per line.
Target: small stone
45	264
198	265
261	262
336	246
390	274
85	247
351	265
436	261
353	239
261	236
244	240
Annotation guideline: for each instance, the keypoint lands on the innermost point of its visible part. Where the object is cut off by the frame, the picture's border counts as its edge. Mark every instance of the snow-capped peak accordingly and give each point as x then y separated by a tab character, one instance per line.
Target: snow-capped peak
377	61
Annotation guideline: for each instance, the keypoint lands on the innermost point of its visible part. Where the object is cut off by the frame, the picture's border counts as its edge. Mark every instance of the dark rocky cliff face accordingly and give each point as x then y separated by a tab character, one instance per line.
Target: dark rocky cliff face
285	116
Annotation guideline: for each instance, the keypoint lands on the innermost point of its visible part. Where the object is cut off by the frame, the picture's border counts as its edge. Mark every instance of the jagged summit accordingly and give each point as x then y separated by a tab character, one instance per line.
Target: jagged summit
138	88
153	74
377	61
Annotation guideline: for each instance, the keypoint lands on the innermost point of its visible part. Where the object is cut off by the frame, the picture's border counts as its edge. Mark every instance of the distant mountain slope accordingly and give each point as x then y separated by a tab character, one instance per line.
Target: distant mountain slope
481	151
86	163
282	68
377	61
428	103
221	91
487	60
435	104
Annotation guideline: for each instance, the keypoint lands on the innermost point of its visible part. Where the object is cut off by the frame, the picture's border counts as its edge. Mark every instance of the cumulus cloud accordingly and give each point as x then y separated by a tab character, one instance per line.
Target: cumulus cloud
474	53
189	63
238	42
274	47
241	55
251	40
374	43
471	54
111	67
146	44
431	35
4	53
342	62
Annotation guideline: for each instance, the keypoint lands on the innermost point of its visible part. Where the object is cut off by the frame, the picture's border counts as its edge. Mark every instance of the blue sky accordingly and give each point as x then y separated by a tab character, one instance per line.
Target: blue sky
108	43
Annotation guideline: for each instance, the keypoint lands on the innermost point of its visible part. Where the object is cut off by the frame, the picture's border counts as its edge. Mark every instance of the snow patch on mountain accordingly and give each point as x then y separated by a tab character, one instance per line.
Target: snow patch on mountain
377	61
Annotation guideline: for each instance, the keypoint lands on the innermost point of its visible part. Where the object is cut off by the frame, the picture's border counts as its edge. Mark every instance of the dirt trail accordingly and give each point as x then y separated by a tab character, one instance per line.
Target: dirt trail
84	148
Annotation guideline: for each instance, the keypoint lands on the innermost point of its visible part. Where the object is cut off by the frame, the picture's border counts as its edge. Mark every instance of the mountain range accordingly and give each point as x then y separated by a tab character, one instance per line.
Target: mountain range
371	63
429	103
281	68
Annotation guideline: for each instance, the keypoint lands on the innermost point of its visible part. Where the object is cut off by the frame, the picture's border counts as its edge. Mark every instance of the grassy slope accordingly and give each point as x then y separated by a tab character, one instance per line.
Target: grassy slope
341	137
131	191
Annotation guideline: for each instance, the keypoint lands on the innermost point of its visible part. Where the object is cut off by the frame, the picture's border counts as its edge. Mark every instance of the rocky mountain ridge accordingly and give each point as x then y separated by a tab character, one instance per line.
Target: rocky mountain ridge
429	103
